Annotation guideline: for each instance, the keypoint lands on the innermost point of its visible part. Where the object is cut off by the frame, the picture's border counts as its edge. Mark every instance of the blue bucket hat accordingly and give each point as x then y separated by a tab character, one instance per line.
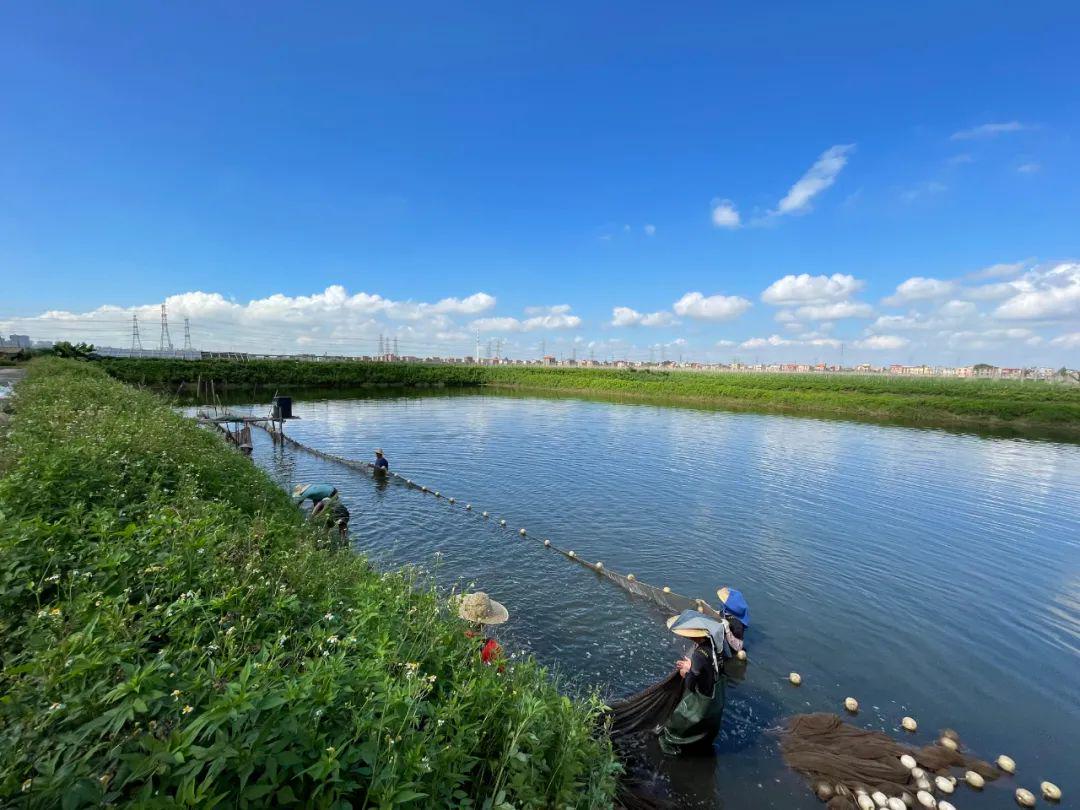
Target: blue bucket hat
734	603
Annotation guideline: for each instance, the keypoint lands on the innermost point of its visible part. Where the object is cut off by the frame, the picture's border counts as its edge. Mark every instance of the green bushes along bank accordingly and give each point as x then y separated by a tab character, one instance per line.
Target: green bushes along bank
172	633
987	404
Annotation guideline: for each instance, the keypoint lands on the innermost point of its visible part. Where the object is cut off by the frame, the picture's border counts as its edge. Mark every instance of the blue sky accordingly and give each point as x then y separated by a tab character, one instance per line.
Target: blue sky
306	179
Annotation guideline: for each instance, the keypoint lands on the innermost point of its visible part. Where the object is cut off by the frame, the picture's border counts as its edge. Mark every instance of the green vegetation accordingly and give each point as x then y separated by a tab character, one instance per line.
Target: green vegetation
173	633
1024	408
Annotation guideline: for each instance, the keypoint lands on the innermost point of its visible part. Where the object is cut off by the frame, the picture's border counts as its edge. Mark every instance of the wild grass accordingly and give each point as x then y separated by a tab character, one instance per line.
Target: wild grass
1019	406
172	633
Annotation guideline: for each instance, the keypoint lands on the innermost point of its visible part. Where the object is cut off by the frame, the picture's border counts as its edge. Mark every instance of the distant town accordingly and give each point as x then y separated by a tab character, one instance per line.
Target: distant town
15	344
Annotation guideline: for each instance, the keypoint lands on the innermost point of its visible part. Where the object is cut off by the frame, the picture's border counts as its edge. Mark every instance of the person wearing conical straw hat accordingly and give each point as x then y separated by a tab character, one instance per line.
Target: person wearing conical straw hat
695	721
483	612
381	464
736	613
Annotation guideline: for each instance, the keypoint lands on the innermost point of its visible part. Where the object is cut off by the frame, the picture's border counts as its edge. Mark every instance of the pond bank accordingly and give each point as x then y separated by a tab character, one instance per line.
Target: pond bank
1041	410
172	628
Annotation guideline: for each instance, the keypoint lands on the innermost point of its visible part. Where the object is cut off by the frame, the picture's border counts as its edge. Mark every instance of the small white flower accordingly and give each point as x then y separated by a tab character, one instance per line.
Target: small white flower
56	707
329	617
332	640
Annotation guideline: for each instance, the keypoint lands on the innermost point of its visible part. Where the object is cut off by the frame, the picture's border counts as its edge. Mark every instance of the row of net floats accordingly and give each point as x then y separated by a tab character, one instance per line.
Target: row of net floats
926	786
666	597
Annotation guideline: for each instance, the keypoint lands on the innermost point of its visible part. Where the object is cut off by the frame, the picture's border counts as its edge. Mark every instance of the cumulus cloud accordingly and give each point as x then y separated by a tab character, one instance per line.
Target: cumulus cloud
625	316
556	309
1003	270
817	178
806	289
883	342
1070	340
990	292
919	288
1045	294
650	230
711	308
332	321
988	130
723	344
725	215
830	312
774	341
552	321
1031	167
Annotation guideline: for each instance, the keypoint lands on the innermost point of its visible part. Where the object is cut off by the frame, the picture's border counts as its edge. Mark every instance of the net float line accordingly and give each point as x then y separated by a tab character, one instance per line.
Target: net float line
664	597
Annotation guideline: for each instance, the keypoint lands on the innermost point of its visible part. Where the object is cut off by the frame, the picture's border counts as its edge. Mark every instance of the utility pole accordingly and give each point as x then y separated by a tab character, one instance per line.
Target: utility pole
136	341
187	334
166	338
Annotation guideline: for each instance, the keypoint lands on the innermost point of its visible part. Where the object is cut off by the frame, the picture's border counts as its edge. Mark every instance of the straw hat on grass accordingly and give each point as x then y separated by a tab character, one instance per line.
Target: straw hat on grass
480	608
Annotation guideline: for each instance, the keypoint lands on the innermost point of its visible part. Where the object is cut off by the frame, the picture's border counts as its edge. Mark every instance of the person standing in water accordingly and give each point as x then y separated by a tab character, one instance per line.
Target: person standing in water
696	719
736	613
481	611
381	464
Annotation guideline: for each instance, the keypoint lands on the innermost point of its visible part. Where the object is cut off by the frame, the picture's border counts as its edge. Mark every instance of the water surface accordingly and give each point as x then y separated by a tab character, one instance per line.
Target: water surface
924	572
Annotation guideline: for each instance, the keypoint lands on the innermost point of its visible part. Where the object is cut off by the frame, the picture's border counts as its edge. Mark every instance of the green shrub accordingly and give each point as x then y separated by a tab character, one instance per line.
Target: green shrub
172	633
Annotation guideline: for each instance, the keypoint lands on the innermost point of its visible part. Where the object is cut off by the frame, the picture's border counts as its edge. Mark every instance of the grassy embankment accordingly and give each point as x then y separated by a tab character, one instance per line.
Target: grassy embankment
172	632
1034	408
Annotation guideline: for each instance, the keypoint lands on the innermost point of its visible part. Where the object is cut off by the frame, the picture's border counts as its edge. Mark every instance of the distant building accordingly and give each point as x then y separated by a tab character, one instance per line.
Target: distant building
19	341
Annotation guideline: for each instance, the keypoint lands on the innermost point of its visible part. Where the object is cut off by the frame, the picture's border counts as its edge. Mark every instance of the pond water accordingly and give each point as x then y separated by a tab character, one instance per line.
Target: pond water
924	572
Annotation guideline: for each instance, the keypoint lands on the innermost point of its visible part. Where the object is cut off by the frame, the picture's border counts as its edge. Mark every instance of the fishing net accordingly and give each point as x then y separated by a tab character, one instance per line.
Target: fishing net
838	759
647	709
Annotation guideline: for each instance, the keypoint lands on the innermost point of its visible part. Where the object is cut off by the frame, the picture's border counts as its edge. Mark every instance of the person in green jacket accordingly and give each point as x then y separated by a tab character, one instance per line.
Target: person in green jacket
696	718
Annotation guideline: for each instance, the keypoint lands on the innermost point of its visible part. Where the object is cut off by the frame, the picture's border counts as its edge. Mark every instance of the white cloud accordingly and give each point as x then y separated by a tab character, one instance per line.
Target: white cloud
785	316
829	312
557	309
554	321
723	344
988	130
883	342
926	189
625	316
817	178
1045	294
650	230
918	288
999	270
987	338
725	215
711	308
807	289
990	292
1070	340
774	341
1030	167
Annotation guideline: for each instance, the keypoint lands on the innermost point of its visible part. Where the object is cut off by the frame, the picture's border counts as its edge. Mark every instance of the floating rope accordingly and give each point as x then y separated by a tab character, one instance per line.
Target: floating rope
664	597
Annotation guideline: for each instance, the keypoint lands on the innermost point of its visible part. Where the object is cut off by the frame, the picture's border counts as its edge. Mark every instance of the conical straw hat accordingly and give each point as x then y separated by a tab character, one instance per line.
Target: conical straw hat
686	632
482	609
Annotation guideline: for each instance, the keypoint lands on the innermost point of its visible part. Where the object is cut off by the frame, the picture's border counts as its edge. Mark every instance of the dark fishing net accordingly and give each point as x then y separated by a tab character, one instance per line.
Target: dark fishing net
838	759
648	709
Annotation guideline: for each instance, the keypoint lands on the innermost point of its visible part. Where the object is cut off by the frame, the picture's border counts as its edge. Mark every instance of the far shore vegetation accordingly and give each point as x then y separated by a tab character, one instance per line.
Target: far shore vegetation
174	633
1021	408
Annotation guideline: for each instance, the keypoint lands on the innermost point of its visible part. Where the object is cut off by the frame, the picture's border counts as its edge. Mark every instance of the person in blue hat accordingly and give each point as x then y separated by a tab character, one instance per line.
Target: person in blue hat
736	613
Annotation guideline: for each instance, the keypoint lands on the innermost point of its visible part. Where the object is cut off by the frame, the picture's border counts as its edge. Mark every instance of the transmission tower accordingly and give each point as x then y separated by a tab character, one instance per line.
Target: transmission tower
136	341
395	347
476	357
381	347
187	334
652	355
166	338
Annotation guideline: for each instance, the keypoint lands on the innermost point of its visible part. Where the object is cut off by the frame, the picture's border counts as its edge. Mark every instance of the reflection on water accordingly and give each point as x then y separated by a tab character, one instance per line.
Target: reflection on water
924	572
